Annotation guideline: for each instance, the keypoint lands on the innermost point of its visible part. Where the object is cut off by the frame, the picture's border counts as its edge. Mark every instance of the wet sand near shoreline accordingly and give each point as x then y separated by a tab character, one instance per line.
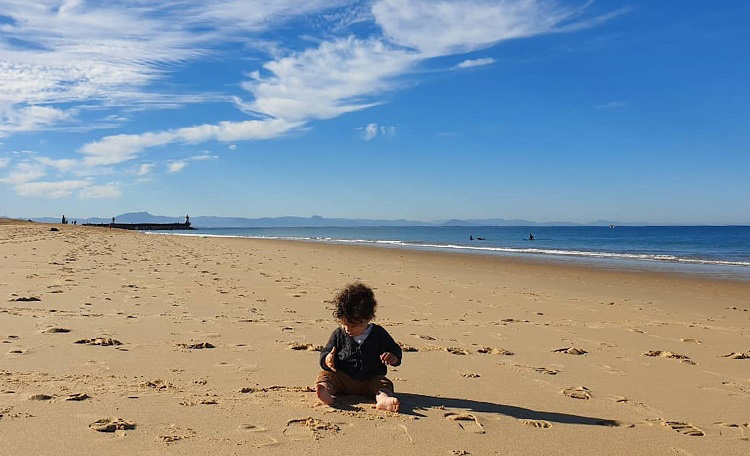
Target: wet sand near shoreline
121	342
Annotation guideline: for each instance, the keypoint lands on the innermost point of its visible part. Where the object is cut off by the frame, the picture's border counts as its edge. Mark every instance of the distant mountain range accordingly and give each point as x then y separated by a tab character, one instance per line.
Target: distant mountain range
314	221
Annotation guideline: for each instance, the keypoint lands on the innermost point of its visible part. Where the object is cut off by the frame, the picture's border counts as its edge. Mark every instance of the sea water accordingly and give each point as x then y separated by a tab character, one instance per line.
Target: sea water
705	250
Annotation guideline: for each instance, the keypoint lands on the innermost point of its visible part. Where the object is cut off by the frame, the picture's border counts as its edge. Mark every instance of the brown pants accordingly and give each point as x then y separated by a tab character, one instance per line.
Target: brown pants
343	384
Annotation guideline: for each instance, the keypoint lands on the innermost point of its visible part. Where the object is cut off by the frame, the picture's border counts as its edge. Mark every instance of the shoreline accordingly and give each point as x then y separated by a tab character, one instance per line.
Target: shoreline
538	267
724	272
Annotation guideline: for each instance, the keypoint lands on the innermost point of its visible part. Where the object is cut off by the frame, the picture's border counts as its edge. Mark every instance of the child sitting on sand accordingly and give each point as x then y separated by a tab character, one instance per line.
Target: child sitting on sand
354	359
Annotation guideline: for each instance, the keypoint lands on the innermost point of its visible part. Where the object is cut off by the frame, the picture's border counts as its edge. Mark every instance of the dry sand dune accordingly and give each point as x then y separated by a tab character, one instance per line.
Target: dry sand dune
116	342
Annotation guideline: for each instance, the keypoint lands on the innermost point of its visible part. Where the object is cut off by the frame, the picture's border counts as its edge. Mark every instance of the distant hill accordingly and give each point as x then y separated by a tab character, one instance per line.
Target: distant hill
314	221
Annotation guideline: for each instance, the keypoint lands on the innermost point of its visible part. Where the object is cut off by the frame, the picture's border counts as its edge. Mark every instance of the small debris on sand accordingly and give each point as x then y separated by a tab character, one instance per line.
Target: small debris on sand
308	347
55	330
734	355
102	341
111	425
197	346
571	351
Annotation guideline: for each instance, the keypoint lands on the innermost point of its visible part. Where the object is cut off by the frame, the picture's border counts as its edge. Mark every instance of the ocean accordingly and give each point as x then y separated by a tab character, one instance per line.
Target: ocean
717	251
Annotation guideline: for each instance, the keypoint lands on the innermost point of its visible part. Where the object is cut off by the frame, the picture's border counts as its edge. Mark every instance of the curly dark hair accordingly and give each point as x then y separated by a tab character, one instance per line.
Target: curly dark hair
355	303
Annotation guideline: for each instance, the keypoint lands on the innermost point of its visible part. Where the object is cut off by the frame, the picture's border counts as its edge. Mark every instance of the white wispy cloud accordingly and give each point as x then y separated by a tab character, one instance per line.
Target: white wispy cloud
442	27
258	15
334	78
204	156
176	166
53	190
613	104
120	148
24	172
144	169
371	131
388	132
470	63
4	161
63	164
77	51
28	118
110	190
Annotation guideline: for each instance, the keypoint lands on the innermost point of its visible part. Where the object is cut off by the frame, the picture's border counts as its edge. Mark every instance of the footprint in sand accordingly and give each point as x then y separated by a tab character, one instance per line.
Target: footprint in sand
613	423
260	439
250	428
403	431
26	299
309	428
407	348
456	351
494	351
102	341
570	351
467	374
691	341
681	452
423	337
670	355
577	392
111	425
40	397
625	400
736	355
459	417
175	434
682	428
197	345
739	427
608	369
537	423
54	330
546	371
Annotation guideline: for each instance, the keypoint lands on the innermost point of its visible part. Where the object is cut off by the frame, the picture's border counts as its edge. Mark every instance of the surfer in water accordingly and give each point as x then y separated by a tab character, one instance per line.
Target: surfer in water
531	236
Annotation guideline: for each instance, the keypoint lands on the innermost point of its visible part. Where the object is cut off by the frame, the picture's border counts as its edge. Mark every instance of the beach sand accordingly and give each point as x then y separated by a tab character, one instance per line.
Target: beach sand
198	346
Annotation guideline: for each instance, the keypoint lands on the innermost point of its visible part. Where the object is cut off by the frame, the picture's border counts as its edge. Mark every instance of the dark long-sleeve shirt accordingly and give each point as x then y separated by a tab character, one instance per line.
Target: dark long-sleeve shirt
360	361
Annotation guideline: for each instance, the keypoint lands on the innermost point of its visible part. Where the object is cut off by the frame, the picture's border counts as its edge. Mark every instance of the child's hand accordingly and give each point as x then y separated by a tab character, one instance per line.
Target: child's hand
330	360
388	358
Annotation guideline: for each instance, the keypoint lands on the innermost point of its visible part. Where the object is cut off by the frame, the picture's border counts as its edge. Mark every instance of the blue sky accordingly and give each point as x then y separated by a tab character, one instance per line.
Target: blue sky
634	111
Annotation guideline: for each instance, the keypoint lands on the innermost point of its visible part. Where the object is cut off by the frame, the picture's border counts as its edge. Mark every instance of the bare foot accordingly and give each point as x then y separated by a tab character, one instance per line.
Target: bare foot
384	401
324	394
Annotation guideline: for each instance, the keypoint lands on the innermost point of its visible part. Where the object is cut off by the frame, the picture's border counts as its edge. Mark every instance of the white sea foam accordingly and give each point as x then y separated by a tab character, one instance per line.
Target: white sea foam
512	250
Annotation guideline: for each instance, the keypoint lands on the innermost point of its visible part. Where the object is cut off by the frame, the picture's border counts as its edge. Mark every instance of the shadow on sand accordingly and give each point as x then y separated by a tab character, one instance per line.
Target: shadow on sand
414	404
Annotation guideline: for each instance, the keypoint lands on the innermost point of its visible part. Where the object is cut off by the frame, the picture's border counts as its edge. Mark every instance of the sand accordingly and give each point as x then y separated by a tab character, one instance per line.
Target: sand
117	342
